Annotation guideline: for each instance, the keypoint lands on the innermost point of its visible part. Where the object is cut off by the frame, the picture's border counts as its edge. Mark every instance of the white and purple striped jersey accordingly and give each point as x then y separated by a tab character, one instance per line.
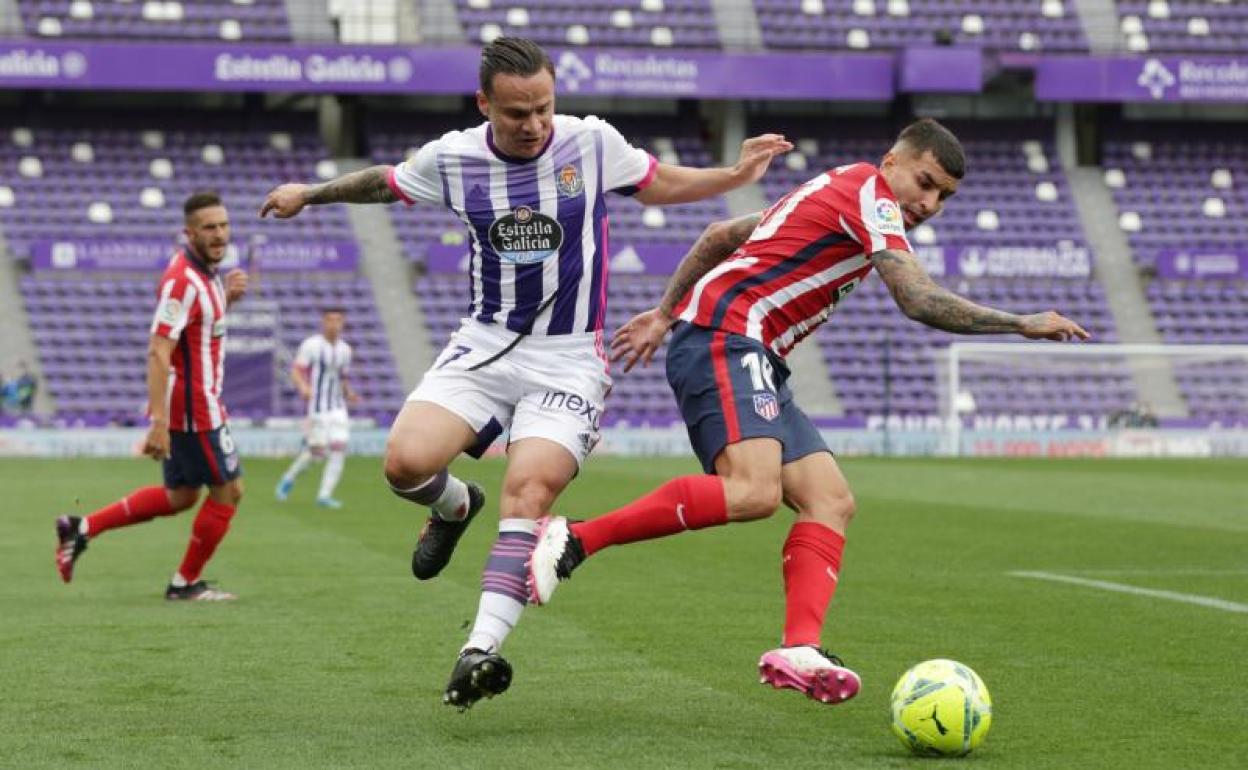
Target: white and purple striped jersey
325	364
538	227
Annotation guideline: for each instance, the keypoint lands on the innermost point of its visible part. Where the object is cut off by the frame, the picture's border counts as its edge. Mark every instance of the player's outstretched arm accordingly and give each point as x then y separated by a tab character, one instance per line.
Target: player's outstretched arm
927	302
370	185
643	334
682	184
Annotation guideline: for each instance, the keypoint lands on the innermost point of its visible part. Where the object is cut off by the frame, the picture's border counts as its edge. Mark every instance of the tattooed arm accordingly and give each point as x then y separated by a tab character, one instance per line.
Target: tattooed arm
641	337
927	302
370	185
717	242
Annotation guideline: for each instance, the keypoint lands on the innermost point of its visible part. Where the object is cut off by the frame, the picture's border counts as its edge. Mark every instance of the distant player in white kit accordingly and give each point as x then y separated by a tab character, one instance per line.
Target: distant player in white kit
531	187
320	374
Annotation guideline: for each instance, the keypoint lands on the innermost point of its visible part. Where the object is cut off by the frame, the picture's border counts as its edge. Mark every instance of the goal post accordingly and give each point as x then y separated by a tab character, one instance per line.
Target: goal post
1094	399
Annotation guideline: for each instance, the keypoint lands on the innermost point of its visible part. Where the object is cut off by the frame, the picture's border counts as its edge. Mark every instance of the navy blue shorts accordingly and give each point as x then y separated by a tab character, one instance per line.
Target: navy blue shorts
732	388
198	459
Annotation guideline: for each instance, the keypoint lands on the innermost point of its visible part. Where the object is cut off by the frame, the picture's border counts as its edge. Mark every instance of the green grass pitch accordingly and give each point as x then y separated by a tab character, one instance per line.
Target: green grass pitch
335	657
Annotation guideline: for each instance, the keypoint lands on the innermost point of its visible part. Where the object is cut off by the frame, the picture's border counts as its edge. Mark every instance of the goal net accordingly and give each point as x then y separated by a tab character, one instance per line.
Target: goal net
1049	399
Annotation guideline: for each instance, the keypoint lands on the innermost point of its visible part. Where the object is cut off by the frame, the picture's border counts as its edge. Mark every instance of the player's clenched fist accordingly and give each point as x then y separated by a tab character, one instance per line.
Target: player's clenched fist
156	444
235	286
285	201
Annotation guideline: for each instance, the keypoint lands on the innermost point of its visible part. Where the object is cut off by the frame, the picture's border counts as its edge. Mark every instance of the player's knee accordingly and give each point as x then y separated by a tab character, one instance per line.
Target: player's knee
406	466
234	492
399	469
527	499
842	509
317	451
754	498
834	508
181	499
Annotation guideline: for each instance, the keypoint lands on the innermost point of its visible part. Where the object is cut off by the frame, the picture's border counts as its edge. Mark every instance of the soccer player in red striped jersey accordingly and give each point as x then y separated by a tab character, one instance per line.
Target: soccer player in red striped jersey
188	430
747	292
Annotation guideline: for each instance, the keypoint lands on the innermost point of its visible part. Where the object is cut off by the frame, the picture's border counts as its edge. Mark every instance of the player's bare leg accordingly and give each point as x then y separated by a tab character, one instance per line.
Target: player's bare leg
746	488
816	489
209	529
74	532
538	470
423	441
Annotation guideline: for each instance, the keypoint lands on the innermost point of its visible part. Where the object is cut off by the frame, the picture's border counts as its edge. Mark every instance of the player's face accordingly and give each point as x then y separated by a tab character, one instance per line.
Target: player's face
331	325
520	111
208	232
920	183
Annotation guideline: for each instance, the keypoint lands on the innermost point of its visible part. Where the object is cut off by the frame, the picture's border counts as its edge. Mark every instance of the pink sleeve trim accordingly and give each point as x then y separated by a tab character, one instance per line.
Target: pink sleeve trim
393	184
651	170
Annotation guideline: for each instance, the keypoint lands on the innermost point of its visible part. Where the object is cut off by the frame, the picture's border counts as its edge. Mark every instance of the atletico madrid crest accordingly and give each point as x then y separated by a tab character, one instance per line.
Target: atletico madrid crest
766	406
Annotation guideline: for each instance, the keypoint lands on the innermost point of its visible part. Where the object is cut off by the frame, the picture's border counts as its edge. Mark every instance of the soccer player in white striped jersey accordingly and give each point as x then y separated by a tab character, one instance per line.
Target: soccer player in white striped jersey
320	374
531	187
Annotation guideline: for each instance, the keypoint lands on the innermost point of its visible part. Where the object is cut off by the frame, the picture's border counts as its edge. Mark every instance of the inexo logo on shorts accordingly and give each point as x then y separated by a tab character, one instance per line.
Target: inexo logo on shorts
556	400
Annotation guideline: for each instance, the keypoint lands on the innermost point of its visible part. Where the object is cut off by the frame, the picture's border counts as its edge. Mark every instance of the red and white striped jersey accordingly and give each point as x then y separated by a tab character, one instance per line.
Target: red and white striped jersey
810	250
191	311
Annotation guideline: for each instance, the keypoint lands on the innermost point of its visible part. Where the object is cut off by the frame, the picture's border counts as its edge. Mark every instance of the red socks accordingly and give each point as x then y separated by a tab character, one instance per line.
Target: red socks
140	506
211	524
812	565
689	502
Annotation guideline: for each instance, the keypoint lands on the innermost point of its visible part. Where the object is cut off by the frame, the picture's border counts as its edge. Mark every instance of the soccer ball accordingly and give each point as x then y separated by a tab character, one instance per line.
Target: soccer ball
941	708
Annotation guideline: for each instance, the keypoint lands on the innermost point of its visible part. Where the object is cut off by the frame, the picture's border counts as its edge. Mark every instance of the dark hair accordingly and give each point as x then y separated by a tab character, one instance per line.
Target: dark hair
200	200
926	135
339	309
512	56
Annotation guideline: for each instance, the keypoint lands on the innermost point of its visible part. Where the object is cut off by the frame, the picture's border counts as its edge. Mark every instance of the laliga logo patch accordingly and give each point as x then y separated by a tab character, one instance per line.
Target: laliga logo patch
525	236
569	181
888	217
171	311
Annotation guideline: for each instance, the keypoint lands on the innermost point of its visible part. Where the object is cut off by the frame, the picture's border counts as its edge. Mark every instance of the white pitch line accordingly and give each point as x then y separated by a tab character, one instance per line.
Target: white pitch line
1105	585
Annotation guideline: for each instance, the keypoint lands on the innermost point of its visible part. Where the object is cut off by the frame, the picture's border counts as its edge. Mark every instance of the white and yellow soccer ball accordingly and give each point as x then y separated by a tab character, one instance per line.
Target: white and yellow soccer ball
941	708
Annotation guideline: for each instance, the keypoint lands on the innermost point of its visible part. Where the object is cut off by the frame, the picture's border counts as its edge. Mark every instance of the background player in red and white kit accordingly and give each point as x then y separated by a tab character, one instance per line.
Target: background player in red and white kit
733	321
188	431
320	373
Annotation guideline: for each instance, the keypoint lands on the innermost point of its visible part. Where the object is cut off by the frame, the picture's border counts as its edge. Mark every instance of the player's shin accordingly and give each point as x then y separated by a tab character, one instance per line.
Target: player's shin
446	495
504	590
301	463
139	506
812	564
689	502
332	473
211	524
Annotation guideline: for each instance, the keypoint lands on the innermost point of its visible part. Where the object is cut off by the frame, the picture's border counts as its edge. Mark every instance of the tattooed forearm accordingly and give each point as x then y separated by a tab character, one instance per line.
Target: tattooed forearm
366	186
943	309
717	242
922	299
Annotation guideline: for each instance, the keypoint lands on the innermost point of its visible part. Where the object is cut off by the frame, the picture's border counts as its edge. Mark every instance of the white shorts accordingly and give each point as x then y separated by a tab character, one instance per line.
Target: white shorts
546	387
327	429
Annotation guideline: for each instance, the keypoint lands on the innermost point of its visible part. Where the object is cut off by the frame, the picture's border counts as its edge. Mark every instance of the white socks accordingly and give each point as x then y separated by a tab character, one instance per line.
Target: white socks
452	504
301	463
332	473
496	616
502	597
